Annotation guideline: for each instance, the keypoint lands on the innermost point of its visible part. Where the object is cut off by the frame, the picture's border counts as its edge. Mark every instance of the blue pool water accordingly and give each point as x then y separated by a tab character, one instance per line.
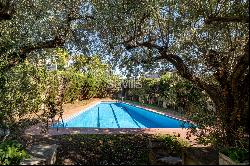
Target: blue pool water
121	115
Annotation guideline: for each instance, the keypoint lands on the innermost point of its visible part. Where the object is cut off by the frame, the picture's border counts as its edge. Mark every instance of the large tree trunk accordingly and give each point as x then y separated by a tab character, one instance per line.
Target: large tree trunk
232	111
229	89
230	123
230	95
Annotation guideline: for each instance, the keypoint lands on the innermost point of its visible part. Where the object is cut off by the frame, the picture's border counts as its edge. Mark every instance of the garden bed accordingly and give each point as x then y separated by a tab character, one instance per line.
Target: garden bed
100	149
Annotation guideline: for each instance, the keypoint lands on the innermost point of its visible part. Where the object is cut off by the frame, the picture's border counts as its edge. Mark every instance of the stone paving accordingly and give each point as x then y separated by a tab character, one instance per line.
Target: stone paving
42	154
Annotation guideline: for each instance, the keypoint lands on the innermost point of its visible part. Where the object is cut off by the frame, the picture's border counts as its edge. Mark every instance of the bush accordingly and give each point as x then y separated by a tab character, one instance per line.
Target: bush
74	85
237	154
174	145
11	153
20	94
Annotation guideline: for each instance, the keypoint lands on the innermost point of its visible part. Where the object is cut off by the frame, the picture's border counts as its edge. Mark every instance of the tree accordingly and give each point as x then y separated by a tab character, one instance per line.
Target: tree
29	32
29	26
207	44
98	76
33	32
6	10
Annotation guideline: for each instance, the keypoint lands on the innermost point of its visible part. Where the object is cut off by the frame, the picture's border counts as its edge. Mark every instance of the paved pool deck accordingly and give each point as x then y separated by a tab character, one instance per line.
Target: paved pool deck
74	109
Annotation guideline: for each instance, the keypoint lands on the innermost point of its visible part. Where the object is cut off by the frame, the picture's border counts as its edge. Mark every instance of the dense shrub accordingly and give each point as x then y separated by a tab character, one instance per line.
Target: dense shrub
20	94
176	92
76	80
173	144
237	154
30	92
11	153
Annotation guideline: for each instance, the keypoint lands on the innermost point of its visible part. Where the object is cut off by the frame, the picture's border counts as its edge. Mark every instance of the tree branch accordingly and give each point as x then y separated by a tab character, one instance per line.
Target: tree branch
178	63
183	70
6	10
242	64
212	89
211	20
172	58
147	44
21	55
137	31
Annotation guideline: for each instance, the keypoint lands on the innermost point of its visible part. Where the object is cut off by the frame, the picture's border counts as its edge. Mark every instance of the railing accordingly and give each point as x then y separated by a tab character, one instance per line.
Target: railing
58	121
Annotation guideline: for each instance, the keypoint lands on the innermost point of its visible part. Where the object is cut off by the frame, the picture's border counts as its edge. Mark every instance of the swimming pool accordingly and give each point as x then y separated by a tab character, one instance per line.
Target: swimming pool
120	115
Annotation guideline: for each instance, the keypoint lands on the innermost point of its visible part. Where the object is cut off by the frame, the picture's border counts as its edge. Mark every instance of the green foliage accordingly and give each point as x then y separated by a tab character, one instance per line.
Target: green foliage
175	91
74	85
61	58
185	99
11	153
98	78
103	149
20	93
237	154
173	144
29	86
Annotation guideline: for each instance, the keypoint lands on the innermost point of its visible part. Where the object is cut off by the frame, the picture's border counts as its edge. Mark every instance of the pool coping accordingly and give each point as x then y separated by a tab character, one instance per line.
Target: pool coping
181	133
158	112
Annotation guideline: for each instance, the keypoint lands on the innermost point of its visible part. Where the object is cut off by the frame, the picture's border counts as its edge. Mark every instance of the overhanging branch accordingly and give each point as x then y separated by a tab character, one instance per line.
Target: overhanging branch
241	19
184	71
138	32
6	10
178	63
21	55
212	89
147	44
242	64
56	42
